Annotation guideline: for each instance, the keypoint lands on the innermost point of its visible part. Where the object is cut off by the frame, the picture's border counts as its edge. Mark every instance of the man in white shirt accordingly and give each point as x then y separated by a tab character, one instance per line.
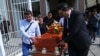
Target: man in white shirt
30	31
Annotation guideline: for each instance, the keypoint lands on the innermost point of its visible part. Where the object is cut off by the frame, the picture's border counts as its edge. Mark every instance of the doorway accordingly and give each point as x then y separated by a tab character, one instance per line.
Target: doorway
36	8
54	3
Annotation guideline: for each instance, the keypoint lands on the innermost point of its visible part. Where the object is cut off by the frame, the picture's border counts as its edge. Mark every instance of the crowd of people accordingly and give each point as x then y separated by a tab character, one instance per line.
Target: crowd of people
92	20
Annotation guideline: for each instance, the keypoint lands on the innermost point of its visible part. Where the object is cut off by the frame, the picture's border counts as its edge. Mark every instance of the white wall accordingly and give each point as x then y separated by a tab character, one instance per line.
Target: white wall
44	7
2	51
76	5
3	9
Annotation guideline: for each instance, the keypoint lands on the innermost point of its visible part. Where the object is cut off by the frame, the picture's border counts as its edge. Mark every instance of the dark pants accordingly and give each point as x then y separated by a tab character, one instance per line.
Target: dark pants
25	48
93	35
77	52
98	31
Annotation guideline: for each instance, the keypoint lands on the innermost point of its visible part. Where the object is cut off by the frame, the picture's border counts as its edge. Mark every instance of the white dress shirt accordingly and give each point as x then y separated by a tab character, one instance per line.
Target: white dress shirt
61	21
33	31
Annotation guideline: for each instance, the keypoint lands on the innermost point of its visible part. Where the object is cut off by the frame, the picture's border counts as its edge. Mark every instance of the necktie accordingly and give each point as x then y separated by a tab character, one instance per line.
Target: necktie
66	23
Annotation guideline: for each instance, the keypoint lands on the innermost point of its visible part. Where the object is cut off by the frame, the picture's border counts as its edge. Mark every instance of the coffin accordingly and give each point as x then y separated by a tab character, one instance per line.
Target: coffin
48	41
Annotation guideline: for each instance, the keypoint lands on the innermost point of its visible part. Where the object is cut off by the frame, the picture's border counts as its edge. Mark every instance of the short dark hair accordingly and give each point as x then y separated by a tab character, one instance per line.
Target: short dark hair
63	6
27	12
49	12
40	16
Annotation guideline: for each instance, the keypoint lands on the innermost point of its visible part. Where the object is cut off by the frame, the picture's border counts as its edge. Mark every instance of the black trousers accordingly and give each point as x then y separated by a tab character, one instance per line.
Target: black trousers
77	51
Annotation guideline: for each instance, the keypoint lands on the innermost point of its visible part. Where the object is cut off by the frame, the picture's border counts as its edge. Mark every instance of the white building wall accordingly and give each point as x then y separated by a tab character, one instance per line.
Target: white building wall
76	5
2	51
3	8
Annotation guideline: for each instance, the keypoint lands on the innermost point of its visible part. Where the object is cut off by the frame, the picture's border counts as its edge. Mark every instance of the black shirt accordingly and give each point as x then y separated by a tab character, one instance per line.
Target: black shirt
4	26
48	21
43	28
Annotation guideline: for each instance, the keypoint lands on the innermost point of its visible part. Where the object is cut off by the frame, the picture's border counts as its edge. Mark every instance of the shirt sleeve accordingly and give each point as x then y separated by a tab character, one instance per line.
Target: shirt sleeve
23	30
61	21
37	30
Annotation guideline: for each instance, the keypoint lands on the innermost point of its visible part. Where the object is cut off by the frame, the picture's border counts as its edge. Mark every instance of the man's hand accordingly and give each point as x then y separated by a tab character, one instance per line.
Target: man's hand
33	40
62	43
66	46
67	34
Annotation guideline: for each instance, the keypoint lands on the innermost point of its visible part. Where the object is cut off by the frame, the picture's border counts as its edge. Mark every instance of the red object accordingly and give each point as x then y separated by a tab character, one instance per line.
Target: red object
48	41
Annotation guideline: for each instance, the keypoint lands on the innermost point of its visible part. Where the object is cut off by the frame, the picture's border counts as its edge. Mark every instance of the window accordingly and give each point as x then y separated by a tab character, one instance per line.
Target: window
91	3
99	1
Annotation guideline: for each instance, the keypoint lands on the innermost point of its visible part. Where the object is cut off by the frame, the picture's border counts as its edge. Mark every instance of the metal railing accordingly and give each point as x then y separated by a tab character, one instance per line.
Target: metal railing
11	12
12	45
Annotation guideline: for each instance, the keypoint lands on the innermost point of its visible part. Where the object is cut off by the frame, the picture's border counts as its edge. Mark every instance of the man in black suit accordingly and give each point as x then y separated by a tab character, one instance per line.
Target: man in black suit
75	33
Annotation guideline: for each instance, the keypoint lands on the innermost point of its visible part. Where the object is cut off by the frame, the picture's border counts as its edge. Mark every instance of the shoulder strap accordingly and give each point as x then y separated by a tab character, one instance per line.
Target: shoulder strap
28	27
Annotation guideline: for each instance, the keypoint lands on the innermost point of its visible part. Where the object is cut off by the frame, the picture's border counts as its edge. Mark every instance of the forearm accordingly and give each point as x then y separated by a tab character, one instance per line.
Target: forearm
25	34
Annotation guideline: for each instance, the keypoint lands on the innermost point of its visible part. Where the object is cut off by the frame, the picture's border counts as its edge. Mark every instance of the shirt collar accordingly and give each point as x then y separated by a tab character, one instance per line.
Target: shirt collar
32	21
69	13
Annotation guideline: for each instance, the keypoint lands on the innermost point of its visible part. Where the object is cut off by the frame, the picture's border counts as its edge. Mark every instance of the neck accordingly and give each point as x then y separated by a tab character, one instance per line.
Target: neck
29	20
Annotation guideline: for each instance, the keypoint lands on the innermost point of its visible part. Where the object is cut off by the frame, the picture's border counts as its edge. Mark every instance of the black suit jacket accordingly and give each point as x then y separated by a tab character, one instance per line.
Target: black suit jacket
78	33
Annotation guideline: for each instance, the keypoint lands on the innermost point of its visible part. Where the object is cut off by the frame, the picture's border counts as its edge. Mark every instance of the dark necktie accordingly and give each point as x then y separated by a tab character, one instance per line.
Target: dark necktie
66	23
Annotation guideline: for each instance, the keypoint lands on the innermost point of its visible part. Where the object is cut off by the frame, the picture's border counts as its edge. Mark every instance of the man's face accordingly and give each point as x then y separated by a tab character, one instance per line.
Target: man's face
66	12
40	19
28	17
50	15
60	12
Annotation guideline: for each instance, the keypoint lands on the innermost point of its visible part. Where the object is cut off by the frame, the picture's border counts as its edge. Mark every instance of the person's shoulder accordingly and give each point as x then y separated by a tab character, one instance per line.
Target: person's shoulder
22	21
98	15
77	12
61	18
44	23
45	17
36	22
